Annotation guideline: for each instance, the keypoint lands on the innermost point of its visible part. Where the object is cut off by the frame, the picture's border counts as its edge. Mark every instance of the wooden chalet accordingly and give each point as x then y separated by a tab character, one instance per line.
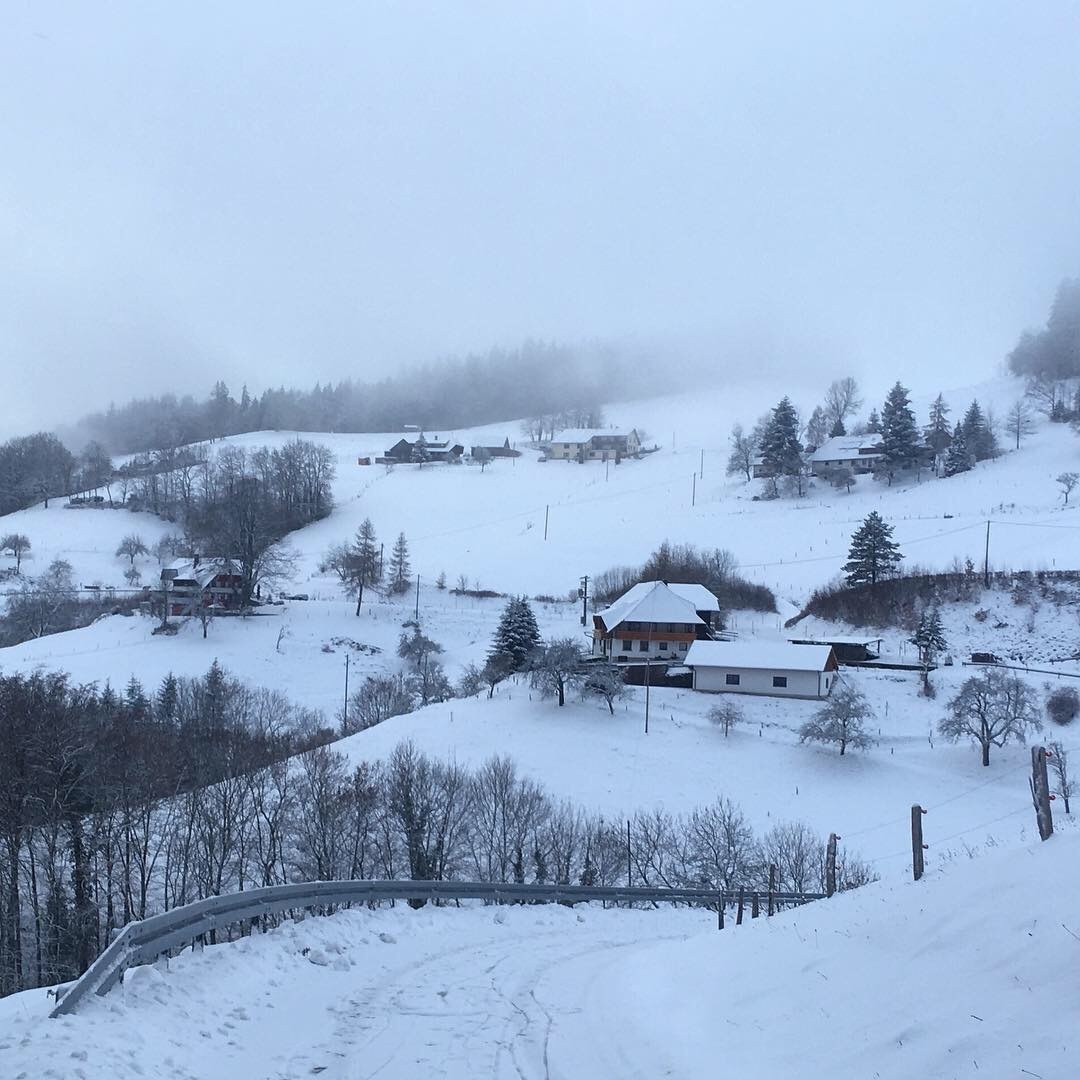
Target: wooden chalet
655	620
201	583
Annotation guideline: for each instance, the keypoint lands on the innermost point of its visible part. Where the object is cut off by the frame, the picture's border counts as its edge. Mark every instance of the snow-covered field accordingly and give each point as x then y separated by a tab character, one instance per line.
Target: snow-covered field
966	974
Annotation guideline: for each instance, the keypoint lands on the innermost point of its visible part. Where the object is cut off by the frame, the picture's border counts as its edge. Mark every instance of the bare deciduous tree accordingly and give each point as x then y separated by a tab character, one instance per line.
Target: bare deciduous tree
1059	768
841	721
16	545
991	708
725	716
131	547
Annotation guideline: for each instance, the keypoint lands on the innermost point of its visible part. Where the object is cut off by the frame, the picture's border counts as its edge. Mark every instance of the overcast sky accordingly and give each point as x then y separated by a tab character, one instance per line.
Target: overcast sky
273	193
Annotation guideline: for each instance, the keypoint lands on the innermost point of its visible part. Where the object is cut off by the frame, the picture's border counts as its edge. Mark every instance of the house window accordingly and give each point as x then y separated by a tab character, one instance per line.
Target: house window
628	646
643	646
683	645
731	680
663	646
779	681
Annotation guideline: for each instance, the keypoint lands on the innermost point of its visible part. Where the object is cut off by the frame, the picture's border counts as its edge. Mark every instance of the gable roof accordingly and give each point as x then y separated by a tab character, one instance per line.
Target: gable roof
698	595
209	567
583	435
848	448
771	655
651	602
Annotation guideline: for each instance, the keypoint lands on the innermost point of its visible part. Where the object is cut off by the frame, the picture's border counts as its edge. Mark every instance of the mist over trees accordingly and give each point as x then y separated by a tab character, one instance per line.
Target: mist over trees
535	379
1053	352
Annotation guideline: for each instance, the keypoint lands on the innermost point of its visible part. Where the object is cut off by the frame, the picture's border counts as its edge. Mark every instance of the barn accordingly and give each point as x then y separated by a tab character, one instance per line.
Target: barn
778	669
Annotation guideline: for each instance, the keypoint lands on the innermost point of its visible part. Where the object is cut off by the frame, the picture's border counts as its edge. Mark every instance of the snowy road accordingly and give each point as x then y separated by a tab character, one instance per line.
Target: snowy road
509	994
522	1007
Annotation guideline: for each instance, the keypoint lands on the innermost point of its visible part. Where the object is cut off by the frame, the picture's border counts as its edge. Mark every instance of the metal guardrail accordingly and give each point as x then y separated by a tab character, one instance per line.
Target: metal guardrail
144	941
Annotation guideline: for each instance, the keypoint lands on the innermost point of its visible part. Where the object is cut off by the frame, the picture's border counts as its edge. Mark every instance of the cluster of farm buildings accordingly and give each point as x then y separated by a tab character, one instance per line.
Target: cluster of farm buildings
675	630
576	444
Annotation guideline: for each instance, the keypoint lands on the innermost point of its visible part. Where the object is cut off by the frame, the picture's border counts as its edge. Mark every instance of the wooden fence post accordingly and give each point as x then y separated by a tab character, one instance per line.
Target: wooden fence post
720	910
1040	792
917	845
739	910
830	865
772	890
754	912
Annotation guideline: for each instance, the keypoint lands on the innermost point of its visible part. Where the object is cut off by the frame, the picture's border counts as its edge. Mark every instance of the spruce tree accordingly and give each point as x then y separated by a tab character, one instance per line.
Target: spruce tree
420	453
400	571
929	636
516	638
167	700
837	429
937	431
873	554
899	435
978	434
873	423
781	451
958	459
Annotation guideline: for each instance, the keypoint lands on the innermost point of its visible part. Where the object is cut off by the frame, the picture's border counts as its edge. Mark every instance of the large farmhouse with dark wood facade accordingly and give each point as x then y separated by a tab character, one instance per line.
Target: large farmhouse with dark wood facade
655	620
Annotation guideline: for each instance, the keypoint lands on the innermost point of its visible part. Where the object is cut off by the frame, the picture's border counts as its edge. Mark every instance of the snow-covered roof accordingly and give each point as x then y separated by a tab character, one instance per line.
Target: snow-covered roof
698	595
209	567
847	448
583	435
651	602
769	655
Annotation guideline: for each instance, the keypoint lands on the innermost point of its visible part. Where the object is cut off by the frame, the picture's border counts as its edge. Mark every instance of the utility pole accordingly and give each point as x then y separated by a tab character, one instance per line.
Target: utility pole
584	593
546	510
917	845
693	490
416	613
702	466
381	561
986	559
345	710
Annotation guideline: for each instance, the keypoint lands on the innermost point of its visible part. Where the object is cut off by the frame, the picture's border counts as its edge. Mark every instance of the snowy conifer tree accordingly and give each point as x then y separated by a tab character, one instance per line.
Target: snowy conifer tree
400	571
873	554
516	638
959	458
899	435
929	636
937	431
781	451
978	434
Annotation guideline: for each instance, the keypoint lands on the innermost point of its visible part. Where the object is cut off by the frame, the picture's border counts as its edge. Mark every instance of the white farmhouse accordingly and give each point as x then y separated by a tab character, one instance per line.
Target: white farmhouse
763	667
860	453
583	444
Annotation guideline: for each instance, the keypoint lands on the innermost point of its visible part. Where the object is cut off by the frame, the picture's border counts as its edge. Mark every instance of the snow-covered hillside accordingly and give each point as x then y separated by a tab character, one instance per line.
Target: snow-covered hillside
489	525
966	974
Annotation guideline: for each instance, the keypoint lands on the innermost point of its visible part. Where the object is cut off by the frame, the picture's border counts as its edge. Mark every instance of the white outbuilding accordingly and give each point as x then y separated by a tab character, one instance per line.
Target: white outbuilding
777	668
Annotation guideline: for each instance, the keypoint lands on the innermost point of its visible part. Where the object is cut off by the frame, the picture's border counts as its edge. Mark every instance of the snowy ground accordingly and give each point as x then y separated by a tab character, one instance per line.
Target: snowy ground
893	981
